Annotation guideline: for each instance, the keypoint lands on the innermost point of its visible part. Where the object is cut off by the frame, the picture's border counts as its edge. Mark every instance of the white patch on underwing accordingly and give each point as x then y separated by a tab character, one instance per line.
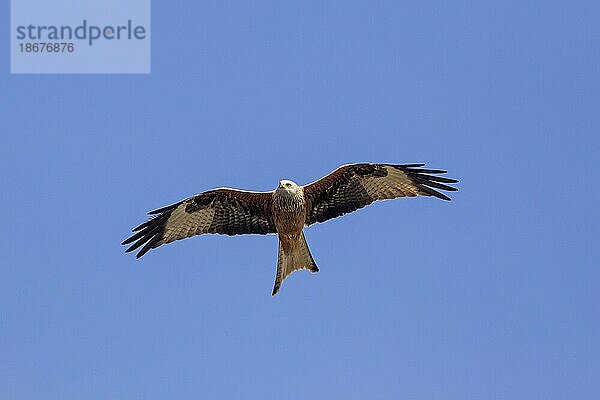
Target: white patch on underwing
182	224
394	184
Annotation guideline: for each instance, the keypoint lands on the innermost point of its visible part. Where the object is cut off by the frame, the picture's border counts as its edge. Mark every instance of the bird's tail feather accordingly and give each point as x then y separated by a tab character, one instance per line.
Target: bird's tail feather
298	258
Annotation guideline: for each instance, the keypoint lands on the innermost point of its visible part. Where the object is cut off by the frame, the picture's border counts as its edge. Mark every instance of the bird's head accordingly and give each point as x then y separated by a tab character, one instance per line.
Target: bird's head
288	186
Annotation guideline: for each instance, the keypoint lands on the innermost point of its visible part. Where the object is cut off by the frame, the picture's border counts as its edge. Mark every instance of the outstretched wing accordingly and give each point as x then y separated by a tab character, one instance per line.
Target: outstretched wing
354	186
225	211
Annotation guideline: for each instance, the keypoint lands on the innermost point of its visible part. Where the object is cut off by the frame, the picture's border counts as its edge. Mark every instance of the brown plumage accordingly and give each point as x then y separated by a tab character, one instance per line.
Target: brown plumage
287	209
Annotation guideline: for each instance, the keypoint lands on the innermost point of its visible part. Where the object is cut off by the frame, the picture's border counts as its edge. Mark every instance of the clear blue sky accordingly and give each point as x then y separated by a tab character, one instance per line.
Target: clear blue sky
491	296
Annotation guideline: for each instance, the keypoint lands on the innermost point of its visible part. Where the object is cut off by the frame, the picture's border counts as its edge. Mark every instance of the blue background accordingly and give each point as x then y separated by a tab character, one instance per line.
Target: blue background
491	296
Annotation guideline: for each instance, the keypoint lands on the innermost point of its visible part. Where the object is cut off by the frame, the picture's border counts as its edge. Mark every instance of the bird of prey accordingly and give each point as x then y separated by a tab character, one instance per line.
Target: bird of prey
287	209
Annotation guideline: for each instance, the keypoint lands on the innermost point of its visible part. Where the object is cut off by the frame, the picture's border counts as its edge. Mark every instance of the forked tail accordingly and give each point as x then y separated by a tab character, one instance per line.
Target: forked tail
299	257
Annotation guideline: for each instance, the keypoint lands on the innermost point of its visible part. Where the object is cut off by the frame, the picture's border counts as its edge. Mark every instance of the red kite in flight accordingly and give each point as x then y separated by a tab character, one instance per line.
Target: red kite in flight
287	209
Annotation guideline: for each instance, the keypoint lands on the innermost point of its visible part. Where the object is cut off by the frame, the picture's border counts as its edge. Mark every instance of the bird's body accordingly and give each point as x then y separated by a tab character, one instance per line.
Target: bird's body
289	215
287	209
